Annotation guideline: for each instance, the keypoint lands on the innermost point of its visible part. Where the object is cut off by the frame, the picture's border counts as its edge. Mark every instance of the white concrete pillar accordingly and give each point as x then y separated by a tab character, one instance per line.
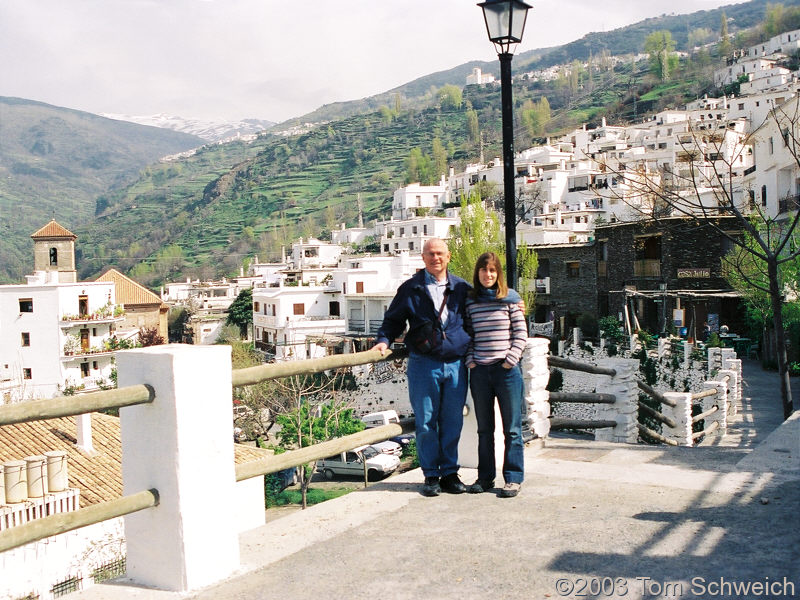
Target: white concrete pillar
720	400
536	374
562	346
633	341
576	336
663	345
733	399
687	353
681	414
626	409
182	445
735	388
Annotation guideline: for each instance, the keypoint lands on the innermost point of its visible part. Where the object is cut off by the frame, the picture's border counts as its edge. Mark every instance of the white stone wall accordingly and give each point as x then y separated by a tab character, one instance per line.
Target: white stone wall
38	566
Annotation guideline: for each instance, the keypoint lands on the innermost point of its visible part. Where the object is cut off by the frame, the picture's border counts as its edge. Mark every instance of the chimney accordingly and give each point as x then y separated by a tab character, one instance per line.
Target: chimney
83	424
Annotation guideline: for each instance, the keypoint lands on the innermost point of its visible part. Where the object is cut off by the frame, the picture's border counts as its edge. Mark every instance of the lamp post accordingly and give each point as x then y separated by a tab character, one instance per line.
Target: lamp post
505	22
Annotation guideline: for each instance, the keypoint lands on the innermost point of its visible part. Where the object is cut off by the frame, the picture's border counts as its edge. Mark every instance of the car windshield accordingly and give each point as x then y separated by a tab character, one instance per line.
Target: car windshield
369	452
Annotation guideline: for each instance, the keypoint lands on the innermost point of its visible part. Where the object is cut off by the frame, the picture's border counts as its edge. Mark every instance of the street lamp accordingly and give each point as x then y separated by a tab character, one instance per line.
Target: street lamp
505	22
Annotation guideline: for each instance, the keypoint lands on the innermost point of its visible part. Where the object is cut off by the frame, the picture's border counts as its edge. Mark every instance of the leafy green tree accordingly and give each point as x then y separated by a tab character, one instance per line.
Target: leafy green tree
660	48
724	48
450	97
439	158
419	167
473	128
527	265
478	232
240	312
535	116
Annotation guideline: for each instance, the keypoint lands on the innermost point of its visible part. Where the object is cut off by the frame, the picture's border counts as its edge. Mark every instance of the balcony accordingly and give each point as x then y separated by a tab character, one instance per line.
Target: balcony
360	326
83	353
68	320
647	268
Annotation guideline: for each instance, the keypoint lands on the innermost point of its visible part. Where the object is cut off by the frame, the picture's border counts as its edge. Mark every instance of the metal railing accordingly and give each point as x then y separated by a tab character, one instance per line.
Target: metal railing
25	412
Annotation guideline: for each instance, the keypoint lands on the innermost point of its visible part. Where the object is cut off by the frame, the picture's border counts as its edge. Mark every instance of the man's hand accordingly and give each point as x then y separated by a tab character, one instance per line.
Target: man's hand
382	347
471	365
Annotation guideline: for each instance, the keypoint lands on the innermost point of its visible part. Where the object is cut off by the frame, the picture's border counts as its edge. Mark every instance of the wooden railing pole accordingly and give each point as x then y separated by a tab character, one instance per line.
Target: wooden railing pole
301	456
252	375
39	529
65	406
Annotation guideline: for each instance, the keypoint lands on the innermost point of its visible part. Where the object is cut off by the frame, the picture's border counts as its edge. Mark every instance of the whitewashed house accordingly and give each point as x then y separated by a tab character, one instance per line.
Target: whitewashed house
55	332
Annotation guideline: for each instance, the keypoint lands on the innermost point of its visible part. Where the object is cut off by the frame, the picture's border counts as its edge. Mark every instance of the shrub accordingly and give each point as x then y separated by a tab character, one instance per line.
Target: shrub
611	328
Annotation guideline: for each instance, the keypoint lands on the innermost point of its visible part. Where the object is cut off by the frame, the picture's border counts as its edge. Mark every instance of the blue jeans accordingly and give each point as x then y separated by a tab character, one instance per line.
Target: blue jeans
438	391
487	382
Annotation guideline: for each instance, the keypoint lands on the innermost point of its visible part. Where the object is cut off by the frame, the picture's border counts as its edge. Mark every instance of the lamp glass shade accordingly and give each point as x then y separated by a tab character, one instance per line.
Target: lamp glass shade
505	20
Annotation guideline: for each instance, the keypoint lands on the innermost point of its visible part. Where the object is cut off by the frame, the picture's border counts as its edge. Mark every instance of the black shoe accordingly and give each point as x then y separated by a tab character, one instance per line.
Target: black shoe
431	487
480	486
452	484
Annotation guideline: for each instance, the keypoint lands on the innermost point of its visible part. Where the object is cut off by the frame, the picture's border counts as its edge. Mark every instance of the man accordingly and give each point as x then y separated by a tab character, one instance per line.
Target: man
432	303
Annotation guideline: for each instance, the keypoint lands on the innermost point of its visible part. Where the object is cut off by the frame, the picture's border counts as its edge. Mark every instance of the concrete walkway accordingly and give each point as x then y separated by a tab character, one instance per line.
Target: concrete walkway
594	520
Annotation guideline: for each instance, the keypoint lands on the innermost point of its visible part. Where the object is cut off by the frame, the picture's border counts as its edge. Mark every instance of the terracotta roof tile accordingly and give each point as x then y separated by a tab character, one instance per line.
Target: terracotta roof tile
54	230
99	476
129	292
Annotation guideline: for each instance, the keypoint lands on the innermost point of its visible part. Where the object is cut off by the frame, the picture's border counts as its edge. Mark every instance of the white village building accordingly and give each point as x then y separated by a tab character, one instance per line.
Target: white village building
55	332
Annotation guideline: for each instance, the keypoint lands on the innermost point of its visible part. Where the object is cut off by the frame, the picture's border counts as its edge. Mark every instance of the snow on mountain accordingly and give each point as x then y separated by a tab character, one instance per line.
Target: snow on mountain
208	130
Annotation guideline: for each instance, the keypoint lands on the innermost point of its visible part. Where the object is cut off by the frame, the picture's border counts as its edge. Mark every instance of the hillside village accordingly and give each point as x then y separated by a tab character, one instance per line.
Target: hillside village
600	249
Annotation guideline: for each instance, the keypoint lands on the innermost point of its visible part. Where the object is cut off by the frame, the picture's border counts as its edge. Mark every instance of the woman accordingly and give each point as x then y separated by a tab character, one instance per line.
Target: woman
499	334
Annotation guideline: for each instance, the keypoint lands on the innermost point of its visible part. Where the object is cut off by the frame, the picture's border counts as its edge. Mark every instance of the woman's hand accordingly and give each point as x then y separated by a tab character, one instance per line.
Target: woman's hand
471	365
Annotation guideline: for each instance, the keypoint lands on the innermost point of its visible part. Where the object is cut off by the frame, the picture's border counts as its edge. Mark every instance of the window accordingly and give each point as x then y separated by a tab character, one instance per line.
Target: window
54	256
771	146
424	230
573	269
256	307
334	310
386	247
26	305
83	305
763	195
85	369
741	106
299	309
95	365
543	269
27	374
359	287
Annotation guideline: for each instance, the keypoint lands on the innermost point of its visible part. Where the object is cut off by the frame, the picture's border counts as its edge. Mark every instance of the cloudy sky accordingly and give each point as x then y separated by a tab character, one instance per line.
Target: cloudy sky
234	59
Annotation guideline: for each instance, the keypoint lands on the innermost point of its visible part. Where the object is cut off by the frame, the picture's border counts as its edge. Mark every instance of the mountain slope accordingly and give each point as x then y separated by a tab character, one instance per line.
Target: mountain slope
55	162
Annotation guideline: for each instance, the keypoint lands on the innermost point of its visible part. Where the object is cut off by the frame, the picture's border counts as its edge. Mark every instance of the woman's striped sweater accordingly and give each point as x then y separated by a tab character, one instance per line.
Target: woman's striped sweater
498	332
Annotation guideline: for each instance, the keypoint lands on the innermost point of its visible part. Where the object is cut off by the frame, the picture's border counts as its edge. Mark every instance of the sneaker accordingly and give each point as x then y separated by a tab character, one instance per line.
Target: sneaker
431	487
480	486
509	490
452	484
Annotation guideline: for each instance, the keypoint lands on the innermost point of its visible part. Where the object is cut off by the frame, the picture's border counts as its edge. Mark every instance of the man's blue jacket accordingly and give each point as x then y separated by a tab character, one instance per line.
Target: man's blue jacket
413	305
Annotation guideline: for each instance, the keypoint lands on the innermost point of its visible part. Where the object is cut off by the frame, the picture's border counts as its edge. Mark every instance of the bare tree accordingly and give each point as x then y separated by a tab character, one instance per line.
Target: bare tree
708	179
316	413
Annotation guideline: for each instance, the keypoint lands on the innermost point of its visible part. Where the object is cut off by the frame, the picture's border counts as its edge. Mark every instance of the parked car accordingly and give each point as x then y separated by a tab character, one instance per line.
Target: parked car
352	463
383	417
388	447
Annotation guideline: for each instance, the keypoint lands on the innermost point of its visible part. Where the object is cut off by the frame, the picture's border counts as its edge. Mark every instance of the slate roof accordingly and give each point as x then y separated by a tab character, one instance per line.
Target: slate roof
99	476
53	230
